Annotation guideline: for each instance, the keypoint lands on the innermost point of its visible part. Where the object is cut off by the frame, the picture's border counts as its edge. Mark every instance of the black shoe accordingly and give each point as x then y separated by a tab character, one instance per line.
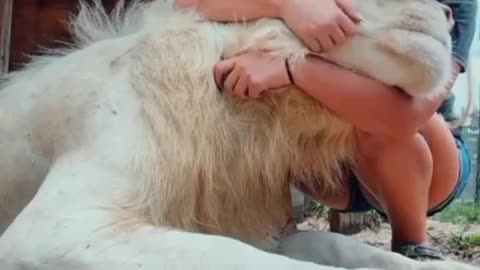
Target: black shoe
420	253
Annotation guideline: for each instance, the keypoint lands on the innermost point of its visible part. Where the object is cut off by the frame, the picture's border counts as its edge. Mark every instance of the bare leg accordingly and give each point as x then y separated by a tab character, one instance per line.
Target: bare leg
408	177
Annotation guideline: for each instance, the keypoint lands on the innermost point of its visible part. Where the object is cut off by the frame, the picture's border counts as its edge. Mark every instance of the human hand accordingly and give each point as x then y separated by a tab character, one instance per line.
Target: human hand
321	24
251	74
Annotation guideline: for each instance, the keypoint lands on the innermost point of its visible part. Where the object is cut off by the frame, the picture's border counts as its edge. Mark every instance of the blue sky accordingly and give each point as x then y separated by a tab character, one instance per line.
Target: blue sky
460	87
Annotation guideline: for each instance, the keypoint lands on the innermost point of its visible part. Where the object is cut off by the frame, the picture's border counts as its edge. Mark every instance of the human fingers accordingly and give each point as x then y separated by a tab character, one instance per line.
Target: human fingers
254	91
347	26
231	80
338	35
221	70
349	8
240	88
326	42
312	43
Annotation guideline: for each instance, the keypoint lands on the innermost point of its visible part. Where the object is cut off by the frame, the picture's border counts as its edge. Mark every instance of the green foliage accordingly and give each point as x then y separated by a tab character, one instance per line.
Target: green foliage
316	209
461	213
465	240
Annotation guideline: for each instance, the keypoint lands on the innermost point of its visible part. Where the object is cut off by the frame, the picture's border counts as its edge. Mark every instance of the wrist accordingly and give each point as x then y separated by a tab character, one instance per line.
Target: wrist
299	67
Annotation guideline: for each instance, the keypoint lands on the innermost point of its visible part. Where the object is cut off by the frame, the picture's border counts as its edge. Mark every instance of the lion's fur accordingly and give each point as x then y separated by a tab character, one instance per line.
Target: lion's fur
223	151
221	165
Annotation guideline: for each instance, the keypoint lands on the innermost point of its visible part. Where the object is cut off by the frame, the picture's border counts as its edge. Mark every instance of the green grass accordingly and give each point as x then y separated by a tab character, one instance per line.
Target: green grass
461	213
317	209
465	240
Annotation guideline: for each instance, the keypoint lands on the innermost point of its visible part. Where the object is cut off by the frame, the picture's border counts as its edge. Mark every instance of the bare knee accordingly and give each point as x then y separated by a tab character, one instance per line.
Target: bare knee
339	198
411	150
385	163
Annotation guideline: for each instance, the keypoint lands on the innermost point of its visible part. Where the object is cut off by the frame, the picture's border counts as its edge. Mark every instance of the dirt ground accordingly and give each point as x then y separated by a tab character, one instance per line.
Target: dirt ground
442	235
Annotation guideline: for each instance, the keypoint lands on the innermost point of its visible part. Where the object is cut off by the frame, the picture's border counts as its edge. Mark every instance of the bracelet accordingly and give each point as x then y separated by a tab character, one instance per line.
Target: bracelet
289	72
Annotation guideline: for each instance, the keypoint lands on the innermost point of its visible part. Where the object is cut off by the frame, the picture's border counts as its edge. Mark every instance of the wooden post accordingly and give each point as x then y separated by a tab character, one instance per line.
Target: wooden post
6	9
346	223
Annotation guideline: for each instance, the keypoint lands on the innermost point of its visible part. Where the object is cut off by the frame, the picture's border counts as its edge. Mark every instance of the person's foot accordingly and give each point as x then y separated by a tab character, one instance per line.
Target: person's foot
422	252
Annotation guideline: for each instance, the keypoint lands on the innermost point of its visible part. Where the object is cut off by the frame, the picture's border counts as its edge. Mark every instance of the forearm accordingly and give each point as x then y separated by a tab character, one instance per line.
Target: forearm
366	103
232	10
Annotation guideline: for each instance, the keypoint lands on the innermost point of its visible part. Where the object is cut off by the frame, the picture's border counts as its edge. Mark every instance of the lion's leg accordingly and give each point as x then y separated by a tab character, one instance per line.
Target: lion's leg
72	223
22	169
338	250
333	249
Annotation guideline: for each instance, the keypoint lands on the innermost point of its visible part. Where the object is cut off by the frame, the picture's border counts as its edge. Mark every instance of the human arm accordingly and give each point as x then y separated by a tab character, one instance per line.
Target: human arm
321	25
230	10
389	112
380	109
368	104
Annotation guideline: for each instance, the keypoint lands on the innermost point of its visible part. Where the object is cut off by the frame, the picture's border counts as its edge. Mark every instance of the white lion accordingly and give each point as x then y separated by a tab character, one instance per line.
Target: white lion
120	153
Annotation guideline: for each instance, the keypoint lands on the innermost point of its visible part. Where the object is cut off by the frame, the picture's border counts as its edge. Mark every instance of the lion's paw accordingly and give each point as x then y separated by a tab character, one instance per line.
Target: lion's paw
446	265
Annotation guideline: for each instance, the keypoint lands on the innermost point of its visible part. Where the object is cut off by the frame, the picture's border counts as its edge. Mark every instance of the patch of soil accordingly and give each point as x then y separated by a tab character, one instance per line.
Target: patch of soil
442	236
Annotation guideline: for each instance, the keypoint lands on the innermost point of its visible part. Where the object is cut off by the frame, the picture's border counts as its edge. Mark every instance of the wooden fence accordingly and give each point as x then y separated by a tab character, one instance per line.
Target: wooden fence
26	25
6	7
